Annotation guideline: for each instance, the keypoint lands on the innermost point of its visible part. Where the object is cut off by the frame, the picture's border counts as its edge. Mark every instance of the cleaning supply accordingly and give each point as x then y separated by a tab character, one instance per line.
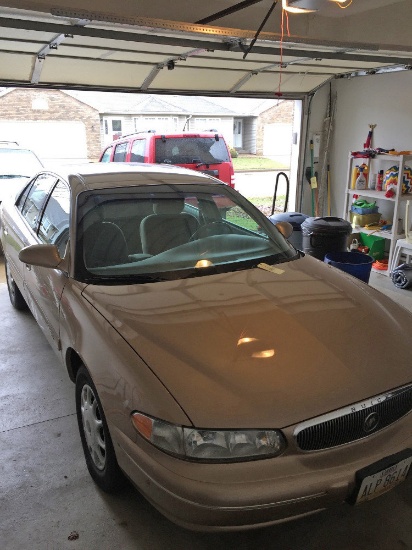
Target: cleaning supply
355	174
361	180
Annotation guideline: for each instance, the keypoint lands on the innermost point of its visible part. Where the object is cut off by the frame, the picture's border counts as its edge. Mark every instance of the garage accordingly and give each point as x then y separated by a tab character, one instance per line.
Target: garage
39	136
348	66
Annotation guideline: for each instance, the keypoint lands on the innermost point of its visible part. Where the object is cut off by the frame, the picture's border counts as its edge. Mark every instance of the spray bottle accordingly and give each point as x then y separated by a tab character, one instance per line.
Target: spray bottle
361	180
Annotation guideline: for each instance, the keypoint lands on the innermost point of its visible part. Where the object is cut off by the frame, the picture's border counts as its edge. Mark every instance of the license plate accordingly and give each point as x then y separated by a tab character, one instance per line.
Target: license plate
384	480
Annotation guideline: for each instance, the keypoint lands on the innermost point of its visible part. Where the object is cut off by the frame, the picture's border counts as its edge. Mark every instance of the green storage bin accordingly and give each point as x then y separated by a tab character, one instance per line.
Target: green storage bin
376	245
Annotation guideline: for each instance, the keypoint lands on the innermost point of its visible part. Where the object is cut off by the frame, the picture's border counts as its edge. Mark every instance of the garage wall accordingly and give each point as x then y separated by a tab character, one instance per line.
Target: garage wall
382	99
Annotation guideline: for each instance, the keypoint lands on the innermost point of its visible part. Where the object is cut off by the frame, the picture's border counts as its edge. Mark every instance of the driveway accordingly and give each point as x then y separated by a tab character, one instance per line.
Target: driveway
260	183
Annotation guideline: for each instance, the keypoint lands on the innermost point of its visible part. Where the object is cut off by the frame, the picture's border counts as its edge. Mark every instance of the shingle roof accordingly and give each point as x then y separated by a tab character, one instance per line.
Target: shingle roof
123	103
128	103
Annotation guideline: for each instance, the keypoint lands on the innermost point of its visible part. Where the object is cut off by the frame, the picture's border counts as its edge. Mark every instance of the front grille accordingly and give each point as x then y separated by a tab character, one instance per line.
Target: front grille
354	422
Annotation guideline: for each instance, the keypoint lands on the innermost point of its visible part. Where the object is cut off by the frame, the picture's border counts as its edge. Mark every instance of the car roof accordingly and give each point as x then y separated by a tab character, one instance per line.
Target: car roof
167	135
101	175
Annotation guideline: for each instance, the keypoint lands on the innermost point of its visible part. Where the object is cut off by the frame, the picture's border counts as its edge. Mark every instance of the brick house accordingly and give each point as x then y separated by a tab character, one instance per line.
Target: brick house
56	126
73	126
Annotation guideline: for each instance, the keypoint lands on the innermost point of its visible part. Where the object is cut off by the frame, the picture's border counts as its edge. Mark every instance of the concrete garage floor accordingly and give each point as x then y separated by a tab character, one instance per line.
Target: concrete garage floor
47	496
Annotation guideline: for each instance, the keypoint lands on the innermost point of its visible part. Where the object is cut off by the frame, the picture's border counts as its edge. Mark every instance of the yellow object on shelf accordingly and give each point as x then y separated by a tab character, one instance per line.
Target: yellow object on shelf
356	172
364	219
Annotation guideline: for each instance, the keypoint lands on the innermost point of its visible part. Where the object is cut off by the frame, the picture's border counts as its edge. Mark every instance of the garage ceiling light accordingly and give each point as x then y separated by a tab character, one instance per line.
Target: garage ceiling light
309	6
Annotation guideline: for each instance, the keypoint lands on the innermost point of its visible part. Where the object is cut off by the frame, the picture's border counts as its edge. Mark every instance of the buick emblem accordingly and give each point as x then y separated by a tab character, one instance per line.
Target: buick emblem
371	422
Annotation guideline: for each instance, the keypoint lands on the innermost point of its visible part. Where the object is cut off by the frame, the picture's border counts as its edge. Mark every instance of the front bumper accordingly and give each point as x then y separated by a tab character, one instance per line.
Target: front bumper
237	496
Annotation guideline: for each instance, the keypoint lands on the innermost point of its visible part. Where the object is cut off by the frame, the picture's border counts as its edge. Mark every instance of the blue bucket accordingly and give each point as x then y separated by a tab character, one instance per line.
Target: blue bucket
355	263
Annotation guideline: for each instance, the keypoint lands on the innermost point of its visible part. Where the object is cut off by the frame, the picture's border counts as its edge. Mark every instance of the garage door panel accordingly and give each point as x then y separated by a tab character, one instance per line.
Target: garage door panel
73	71
208	80
288	82
112	55
16	66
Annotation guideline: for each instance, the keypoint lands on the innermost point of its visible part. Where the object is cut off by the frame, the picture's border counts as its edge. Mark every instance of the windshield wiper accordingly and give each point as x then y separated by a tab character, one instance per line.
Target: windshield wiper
207	164
124	279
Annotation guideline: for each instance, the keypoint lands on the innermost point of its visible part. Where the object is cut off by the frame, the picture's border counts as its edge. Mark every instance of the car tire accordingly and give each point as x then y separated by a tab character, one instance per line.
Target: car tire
16	297
95	437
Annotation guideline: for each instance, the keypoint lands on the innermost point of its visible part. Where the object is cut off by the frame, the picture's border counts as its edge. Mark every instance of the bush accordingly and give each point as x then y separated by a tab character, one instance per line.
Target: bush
233	153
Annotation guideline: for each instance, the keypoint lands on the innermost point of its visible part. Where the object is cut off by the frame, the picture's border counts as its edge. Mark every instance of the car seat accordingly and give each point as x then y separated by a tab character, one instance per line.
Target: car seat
167	227
104	244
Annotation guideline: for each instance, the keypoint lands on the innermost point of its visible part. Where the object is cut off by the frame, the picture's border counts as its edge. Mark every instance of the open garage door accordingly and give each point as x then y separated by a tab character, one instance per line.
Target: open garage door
51	141
249	48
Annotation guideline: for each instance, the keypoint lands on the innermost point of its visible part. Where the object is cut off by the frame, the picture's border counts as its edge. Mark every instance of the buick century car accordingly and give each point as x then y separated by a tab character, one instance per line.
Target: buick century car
213	362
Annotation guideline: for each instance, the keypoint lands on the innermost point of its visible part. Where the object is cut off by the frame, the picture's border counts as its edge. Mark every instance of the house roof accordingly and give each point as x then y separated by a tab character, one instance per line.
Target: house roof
134	104
125	103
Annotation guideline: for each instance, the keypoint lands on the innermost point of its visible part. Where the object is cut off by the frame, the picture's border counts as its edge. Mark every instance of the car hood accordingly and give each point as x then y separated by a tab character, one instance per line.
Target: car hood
256	348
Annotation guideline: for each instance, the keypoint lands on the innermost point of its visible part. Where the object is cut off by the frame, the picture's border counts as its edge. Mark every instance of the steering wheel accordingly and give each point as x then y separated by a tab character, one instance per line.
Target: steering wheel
209	229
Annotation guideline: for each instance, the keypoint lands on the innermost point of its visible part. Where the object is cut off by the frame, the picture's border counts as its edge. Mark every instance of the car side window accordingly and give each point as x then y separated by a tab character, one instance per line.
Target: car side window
106	155
120	152
138	150
23	196
33	205
54	224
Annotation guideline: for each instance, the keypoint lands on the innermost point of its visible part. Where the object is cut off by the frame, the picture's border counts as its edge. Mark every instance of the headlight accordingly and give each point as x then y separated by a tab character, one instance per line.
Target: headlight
209	445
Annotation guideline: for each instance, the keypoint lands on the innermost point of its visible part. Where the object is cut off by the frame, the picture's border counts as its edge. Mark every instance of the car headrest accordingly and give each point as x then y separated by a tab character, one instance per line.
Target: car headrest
169	206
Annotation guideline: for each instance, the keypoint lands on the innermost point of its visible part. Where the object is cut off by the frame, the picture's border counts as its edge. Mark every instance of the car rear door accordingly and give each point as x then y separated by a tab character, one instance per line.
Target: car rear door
44	286
21	221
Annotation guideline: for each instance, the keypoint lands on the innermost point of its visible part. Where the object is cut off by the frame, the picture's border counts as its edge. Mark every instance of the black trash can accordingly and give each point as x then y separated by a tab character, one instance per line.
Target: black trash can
295	219
323	235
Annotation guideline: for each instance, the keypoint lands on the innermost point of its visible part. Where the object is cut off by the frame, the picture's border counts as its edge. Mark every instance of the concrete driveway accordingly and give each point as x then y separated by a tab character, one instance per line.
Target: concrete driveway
49	502
260	183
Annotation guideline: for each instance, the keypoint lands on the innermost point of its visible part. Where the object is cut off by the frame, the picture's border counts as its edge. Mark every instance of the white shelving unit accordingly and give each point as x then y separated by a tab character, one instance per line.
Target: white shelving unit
390	208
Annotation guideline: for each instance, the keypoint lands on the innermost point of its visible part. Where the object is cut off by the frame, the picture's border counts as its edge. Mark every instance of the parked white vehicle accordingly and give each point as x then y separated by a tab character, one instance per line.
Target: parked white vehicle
17	165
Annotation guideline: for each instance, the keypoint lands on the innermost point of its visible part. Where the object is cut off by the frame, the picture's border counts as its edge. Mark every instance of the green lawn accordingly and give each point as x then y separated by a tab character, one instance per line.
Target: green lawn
265	203
257	163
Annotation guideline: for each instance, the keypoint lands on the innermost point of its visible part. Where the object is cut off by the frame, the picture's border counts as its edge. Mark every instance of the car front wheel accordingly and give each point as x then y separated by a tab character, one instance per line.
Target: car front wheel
94	433
16	297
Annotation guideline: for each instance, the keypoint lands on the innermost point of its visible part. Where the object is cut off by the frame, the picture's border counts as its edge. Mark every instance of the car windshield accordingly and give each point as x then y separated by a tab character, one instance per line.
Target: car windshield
165	232
15	163
191	150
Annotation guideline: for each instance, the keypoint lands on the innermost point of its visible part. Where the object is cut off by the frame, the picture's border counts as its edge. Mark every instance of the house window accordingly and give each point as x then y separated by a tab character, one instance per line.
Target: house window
158	124
113	127
205	124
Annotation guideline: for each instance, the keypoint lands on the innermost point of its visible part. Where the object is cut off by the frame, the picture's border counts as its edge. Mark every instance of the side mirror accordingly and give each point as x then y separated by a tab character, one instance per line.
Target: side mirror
43	255
285	228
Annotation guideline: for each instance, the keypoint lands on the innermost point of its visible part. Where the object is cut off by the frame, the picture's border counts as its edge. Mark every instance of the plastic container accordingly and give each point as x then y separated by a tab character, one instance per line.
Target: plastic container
364	219
323	235
295	219
379	181
361	180
375	244
355	263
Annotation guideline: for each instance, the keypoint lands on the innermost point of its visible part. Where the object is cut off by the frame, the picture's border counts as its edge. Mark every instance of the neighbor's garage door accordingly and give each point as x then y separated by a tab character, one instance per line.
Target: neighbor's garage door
51	141
277	142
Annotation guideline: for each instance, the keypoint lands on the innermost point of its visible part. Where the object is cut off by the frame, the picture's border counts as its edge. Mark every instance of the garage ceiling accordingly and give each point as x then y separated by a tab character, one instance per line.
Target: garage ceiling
200	48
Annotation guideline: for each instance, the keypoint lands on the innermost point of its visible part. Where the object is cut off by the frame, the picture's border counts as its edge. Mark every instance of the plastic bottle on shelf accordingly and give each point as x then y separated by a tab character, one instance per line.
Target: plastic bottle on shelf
355	174
361	180
379	181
